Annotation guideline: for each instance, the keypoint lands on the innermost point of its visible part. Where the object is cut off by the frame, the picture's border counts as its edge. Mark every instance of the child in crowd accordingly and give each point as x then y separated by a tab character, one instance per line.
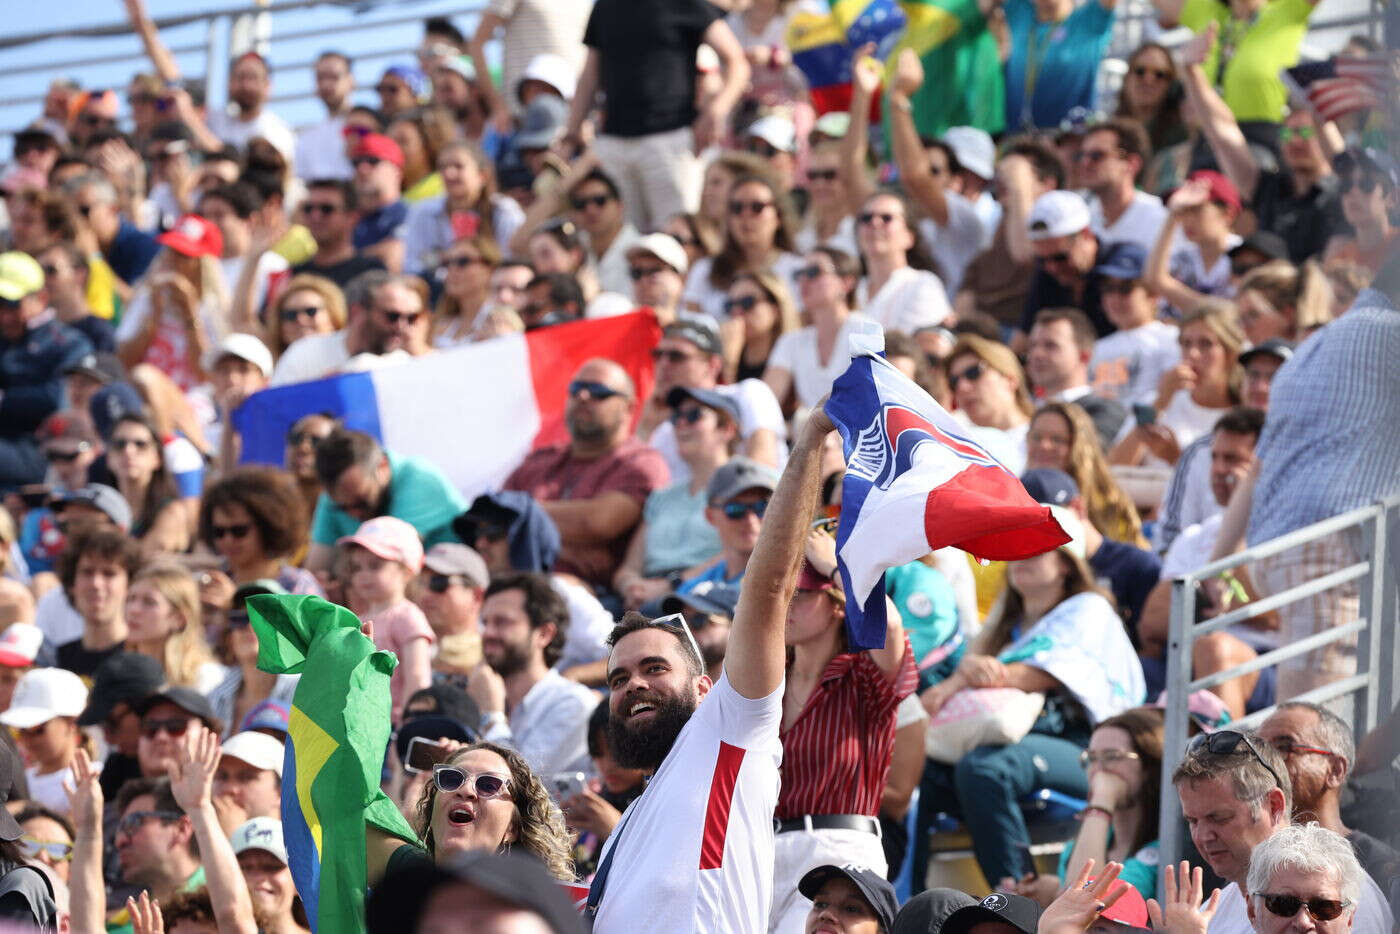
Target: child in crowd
382	557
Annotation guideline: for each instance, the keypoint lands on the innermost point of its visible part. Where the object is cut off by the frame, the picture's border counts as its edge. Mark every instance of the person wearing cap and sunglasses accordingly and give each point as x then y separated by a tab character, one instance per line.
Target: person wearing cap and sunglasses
1369	181
378	182
43	713
1236	794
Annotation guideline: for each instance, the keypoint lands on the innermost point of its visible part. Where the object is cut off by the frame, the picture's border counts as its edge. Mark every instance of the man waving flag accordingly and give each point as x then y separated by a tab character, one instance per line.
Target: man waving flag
915	482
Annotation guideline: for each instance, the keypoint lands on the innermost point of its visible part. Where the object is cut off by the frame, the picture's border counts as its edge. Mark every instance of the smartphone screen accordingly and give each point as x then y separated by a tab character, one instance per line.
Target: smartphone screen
1144	414
423	754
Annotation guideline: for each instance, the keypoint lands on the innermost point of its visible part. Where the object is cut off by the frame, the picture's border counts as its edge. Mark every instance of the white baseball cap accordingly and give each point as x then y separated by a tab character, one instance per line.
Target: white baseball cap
257	749
553	70
974	148
260	833
665	248
775	130
1057	213
19	645
244	347
45	693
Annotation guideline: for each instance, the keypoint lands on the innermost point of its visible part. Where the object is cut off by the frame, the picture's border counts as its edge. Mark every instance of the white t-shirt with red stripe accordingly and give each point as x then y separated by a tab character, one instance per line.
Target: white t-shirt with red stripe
696	849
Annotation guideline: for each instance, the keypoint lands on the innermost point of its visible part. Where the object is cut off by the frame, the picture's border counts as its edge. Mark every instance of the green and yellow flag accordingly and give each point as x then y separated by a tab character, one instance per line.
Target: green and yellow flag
337	734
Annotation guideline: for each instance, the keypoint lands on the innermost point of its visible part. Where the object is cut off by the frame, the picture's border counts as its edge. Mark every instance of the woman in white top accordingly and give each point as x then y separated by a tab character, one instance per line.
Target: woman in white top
720	175
899	289
1194	393
466	285
804	363
989	390
468	206
829	221
758	237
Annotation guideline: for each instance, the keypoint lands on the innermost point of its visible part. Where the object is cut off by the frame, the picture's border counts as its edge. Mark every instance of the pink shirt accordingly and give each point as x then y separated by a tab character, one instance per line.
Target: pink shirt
394	629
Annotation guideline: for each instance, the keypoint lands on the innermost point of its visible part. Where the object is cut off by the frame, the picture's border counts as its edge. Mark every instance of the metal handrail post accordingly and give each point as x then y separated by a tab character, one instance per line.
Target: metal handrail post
1179	638
1366	710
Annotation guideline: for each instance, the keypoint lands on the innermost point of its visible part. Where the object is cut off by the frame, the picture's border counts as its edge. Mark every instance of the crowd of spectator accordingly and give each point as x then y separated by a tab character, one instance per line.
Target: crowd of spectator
628	667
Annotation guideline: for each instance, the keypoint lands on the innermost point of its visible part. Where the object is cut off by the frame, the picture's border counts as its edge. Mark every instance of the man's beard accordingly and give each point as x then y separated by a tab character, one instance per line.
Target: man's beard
586	430
513	659
646	746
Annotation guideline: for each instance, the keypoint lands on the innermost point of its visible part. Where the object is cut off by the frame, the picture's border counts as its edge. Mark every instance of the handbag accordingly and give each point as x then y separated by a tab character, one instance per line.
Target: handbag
981	717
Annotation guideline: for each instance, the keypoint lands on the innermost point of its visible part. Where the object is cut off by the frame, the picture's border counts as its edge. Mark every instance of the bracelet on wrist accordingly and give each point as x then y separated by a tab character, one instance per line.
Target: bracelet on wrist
1094	808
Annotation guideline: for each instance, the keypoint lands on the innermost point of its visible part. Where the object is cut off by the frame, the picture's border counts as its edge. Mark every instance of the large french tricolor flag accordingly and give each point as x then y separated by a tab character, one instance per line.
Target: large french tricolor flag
474	411
915	482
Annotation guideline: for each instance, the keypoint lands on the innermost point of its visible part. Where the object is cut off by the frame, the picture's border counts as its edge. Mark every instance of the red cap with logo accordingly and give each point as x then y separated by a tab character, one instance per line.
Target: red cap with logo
192	235
380	147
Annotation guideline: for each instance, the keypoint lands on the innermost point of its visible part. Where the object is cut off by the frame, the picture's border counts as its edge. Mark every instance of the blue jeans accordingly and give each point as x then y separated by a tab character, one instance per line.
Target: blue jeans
984	790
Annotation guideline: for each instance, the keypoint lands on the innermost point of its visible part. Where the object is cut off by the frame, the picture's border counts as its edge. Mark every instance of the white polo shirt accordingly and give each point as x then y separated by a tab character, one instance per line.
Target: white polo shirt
696	850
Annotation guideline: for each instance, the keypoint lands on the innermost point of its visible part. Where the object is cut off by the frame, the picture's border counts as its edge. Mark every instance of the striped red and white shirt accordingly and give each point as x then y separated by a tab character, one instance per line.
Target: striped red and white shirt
836	755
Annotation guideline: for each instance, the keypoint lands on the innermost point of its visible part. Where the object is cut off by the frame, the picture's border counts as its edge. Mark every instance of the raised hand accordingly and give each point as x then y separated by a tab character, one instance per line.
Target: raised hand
1197	49
1081	904
866	71
145	915
908	73
1181	910
84	792
192	770
1191	195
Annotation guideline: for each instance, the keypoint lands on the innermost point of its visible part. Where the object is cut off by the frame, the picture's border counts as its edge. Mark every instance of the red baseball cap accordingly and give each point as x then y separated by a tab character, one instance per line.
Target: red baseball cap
1222	190
192	235
379	146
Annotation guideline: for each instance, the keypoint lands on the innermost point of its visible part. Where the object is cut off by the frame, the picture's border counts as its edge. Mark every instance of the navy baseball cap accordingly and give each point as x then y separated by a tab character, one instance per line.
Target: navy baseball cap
875	889
1050	487
710	398
1274	347
709	597
1123	261
1016	910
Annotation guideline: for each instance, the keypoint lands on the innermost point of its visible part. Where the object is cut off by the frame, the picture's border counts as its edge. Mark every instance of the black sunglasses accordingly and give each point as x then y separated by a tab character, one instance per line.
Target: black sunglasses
972	373
289	315
809	272
296	439
238	530
440	583
589	390
1227	743
1322	909
238	619
596	201
687	416
739	510
822	175
462	262
740	208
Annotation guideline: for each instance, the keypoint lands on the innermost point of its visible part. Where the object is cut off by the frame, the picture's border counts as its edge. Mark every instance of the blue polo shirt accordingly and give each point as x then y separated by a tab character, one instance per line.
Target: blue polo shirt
387	223
419	494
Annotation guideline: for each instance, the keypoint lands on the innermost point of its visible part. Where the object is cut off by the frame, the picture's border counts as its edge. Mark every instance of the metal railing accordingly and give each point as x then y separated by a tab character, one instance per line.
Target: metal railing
1372	689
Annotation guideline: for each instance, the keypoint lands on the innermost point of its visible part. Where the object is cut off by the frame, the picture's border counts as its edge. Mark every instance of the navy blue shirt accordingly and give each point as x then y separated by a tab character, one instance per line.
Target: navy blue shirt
387	223
1131	573
31	373
98	331
131	252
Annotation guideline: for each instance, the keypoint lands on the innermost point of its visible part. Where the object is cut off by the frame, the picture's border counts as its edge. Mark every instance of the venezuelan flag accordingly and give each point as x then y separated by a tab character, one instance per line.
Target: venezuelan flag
822	45
337	733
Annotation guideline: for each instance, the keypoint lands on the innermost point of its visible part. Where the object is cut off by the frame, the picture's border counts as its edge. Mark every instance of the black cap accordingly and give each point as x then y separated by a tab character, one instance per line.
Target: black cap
187	699
926	912
1263	241
701	332
710	398
254	588
1274	347
103	367
518	880
709	597
442	711
1016	910
484	510
876	890
126	676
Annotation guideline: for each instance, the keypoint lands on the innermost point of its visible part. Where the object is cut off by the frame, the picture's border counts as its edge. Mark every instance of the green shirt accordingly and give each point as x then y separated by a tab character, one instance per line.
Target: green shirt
1255	51
119	922
959	53
419	494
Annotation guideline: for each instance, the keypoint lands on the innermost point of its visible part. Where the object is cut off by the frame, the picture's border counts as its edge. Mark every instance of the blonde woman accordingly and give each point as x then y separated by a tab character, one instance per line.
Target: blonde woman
465	273
1194	393
1062	437
759	309
163	621
1279	299
759	236
309	304
989	392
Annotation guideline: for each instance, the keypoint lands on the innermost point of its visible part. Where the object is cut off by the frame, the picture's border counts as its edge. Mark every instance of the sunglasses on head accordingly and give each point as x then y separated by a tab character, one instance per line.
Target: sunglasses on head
740	510
174	727
688	416
595	201
740	305
449	778
1286	906
53	849
822	175
591	391
1227	743
972	374
740	208
288	315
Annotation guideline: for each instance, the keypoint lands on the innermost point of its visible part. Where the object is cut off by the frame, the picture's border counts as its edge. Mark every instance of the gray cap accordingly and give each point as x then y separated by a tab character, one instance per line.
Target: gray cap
702	332
453	559
99	496
738	475
542	123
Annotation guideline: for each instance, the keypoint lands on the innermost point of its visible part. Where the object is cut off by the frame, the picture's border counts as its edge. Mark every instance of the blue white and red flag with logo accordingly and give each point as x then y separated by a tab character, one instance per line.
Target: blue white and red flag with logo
915	482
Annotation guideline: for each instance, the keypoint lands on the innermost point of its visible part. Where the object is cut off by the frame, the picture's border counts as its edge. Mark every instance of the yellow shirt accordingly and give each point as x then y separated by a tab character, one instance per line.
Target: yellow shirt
429	186
1262	46
102	289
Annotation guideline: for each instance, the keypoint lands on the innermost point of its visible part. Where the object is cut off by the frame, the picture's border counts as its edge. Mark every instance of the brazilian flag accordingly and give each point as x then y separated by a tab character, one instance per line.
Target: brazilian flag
963	83
337	734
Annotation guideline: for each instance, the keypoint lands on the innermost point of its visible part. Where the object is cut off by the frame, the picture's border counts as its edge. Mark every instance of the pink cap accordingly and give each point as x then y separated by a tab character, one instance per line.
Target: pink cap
1130	909
391	539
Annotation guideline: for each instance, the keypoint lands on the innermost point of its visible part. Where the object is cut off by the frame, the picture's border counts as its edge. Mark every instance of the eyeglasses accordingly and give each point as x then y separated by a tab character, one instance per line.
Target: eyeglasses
1289	133
870	217
1142	71
972	374
670	356
407	317
239	530
140	444
737	511
740	208
1227	743
309	312
440	583
638	273
588	390
448	778
687	416
174	727
591	201
462	262
1286	906
319	207
1118	286
1286	746
809	272
53	849
741	305
130	823
365	160
1095	156
822	175
1106	757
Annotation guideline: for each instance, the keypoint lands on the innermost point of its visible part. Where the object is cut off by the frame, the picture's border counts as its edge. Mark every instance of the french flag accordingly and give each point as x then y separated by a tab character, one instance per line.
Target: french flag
915	482
474	411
